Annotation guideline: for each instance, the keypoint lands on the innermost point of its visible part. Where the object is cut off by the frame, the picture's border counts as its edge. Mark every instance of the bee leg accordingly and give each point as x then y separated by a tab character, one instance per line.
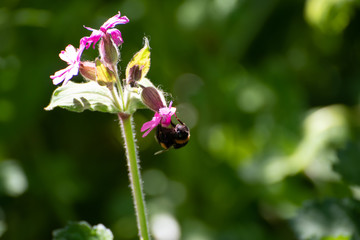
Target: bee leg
178	120
161	151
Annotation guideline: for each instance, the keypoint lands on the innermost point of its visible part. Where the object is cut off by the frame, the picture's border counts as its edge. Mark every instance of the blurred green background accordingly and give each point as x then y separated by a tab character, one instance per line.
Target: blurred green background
269	88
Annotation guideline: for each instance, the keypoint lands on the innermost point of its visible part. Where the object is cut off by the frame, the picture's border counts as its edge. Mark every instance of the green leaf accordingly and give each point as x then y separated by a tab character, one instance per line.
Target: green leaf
337	238
329	219
146	83
331	17
348	164
134	101
141	59
83	231
78	97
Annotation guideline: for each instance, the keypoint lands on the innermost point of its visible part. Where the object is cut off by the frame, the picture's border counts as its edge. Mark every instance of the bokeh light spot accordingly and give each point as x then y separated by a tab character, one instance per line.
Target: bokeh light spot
176	192
187	114
191	13
217	139
253	97
155	182
165	227
330	16
222	8
187	85
13	181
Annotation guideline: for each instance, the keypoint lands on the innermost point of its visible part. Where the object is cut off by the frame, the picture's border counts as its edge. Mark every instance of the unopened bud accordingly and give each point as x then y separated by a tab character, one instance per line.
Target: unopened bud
104	75
88	70
153	98
108	51
134	75
139	65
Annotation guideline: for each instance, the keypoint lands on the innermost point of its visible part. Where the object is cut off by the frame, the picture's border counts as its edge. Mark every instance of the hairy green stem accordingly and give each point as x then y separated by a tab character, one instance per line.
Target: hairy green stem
119	86
134	175
115	96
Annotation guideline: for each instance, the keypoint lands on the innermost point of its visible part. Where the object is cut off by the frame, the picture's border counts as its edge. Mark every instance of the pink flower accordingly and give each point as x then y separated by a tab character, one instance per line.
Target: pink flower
72	56
106	29
162	117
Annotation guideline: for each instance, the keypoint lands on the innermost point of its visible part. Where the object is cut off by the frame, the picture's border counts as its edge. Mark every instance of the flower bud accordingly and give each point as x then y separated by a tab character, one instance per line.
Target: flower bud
135	73
139	65
104	75
153	98
88	70
108	51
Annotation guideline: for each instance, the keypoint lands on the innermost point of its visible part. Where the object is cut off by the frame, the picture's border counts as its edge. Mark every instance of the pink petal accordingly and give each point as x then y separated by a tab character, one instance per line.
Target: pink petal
172	111
89	28
150	125
94	37
147	132
166	120
146	126
116	36
166	114
115	20
72	72
69	55
59	76
82	46
162	117
64	75
110	23
167	111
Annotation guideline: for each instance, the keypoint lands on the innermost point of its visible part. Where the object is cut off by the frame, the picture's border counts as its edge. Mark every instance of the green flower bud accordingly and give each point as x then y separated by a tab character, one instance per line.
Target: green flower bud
108	51
104	75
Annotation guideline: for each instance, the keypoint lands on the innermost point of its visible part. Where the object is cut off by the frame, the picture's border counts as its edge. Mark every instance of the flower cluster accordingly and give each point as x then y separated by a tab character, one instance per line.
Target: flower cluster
72	56
103	90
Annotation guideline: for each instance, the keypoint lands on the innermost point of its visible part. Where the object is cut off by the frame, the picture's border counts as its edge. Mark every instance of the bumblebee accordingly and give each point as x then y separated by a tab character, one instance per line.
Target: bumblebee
176	136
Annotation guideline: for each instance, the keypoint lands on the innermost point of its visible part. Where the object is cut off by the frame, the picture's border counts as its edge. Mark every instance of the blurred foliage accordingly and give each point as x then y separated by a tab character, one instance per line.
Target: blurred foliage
330	16
270	90
349	156
332	217
83	231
